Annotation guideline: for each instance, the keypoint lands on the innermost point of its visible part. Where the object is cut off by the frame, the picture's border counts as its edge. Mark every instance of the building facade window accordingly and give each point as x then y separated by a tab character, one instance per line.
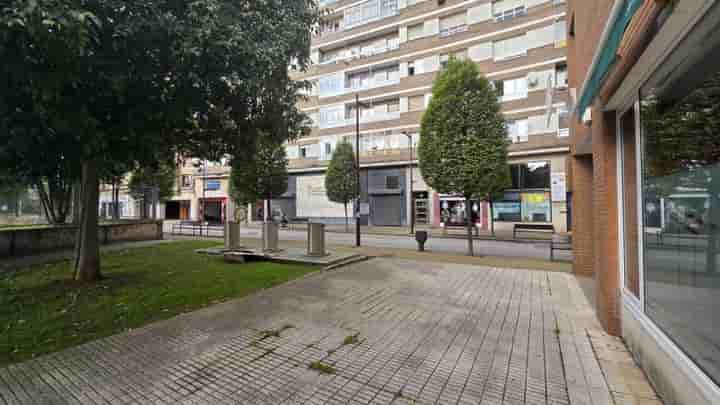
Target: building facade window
528	200
415	31
510	48
512	89
212	185
330	26
186	181
679	205
453	24
452	211
392	182
508	9
369	11
518	131
416	103
561	76
332	85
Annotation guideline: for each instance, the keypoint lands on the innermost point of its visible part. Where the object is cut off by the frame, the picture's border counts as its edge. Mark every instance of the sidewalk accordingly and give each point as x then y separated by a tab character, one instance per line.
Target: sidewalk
383	332
433	256
453	232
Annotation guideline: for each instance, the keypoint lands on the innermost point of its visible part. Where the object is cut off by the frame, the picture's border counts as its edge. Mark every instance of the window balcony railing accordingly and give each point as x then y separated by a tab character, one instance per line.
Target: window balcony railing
368	118
368	12
352	86
453	30
371	84
361	52
510	14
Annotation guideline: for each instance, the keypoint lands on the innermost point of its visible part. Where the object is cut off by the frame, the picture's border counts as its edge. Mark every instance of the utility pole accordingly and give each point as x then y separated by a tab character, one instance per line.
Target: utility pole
357	170
412	195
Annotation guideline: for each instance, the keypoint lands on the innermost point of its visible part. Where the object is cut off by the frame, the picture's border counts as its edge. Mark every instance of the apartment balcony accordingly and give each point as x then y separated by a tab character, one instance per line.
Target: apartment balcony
360	53
369	11
366	157
367	119
363	85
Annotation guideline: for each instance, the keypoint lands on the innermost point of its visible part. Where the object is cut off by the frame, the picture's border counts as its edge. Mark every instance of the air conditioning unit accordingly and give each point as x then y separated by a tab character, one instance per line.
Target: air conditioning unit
441	2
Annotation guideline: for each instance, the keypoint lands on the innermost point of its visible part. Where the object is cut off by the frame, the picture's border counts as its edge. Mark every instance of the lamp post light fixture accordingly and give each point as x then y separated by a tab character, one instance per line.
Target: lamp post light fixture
357	167
412	194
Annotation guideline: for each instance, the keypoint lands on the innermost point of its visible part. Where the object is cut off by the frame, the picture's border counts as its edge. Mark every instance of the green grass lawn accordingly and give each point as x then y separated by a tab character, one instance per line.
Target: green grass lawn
42	310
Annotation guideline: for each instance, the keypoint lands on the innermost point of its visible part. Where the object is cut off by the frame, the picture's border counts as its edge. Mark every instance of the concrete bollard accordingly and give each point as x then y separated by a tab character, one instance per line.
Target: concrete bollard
270	237
232	235
316	239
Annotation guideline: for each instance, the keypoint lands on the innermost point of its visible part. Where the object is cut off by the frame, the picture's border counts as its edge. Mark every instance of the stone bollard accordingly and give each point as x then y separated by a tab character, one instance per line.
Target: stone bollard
421	237
316	239
232	235
270	237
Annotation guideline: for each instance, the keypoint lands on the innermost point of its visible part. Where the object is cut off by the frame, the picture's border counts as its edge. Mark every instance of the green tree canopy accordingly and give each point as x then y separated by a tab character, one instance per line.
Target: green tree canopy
340	179
463	137
161	175
91	84
263	175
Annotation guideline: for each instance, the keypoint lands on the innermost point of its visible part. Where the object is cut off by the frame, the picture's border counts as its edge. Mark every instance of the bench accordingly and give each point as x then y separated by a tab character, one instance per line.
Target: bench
544	228
197	228
559	242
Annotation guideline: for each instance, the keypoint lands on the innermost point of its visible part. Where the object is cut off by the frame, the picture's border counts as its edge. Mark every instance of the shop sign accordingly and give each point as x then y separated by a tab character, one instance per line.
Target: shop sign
558	186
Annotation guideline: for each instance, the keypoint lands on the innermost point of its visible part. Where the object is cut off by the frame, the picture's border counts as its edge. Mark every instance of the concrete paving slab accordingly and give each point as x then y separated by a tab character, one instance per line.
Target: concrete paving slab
424	333
286	255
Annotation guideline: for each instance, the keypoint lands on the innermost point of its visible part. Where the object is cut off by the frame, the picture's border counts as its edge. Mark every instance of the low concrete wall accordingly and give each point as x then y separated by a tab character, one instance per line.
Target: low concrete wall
25	242
676	380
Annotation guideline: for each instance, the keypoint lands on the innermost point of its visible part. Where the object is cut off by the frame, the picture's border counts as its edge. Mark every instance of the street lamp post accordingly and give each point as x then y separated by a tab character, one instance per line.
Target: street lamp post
357	170
412	195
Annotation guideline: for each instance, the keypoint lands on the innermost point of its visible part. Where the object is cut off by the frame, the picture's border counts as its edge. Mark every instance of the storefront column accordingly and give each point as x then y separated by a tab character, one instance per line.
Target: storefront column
605	210
582	215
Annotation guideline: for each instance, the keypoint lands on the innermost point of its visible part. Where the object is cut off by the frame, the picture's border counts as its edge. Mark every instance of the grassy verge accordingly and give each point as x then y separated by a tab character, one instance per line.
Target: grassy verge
42	310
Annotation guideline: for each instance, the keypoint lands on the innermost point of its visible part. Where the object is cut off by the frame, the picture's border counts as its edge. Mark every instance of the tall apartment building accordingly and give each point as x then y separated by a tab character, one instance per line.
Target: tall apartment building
388	53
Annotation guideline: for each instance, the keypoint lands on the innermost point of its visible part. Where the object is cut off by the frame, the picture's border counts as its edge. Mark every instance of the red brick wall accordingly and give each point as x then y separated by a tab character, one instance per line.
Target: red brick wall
582	222
605	220
586	19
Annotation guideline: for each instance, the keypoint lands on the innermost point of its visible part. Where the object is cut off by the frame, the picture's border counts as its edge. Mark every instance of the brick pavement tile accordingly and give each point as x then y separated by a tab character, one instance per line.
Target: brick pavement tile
431	333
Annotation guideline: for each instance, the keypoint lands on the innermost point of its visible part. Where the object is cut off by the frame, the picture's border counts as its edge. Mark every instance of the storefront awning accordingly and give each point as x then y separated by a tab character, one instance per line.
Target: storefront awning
607	54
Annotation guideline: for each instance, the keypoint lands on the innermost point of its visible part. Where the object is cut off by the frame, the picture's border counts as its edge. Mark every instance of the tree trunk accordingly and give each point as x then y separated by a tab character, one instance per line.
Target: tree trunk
347	226
76	195
46	203
713	225
88	260
469	225
492	219
116	201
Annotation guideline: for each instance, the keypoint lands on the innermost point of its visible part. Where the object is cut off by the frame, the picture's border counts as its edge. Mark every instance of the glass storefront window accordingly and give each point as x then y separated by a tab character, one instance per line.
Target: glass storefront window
630	203
452	212
530	199
536	175
507	211
536	207
680	119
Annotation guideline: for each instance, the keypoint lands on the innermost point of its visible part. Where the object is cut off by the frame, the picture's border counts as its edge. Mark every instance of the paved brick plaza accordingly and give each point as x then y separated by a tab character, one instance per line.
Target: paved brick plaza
428	333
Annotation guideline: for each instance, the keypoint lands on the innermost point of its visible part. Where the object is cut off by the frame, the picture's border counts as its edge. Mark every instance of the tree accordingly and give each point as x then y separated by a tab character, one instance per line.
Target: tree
13	194
682	151
340	179
262	176
158	177
98	83
463	138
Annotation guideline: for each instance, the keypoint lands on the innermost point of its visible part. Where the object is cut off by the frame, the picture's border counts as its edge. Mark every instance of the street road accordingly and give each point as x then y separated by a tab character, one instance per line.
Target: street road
538	250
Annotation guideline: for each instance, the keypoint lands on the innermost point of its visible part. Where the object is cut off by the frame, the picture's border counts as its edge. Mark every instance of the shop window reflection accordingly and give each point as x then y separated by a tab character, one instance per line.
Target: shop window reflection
681	214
